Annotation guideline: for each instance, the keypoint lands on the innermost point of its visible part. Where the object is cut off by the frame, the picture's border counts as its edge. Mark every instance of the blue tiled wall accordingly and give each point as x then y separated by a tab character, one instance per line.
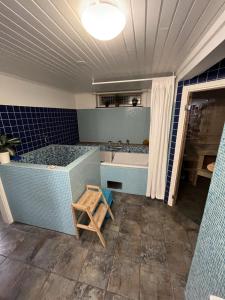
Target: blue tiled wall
216	72
39	126
207	273
121	123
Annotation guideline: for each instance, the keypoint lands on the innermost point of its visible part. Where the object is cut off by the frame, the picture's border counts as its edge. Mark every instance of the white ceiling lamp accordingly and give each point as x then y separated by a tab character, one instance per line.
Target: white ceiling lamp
104	21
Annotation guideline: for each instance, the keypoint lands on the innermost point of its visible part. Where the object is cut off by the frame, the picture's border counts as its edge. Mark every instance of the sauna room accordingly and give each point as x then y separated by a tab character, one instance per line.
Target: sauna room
206	118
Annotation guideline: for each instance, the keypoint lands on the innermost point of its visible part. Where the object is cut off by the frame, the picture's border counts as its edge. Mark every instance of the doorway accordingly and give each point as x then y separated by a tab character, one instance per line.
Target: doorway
186	100
205	121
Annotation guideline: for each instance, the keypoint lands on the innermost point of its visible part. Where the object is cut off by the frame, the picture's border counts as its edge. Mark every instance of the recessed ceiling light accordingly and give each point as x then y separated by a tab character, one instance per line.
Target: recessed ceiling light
104	21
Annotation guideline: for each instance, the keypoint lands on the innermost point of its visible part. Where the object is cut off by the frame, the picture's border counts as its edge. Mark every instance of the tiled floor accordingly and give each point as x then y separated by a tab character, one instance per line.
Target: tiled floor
191	199
148	255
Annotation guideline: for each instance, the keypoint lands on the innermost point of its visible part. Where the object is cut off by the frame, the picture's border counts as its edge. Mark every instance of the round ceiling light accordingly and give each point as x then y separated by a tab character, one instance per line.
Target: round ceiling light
103	21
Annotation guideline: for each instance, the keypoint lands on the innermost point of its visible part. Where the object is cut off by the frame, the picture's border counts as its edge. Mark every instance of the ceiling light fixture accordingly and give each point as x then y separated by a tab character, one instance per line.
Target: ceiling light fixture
104	21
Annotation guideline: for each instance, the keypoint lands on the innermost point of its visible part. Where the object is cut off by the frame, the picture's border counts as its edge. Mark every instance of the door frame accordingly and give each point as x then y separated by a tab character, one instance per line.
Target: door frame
182	131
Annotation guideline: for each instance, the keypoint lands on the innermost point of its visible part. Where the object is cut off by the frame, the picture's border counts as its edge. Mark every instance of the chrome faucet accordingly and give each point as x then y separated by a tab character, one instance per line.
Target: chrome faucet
45	137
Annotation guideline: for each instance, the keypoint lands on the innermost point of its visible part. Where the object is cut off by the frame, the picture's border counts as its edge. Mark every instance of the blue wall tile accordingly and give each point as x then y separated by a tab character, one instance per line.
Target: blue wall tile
102	125
221	73
214	73
39	126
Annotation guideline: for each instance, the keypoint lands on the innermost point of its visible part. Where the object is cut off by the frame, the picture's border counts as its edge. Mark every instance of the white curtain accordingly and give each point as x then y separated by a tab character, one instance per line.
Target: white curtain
160	118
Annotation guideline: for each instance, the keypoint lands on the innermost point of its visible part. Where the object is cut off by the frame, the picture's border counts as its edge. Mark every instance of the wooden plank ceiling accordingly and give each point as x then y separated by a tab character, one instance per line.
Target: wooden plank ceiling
44	41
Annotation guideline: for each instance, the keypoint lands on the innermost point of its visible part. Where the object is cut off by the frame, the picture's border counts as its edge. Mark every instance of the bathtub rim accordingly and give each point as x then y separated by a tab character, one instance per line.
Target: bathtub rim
123	165
47	167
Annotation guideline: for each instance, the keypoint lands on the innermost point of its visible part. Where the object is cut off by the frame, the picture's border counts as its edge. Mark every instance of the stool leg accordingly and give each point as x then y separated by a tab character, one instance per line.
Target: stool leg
110	212
101	238
108	208
75	222
97	230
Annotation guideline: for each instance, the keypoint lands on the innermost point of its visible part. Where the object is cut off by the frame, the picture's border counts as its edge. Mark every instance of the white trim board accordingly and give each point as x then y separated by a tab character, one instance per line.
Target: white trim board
178	156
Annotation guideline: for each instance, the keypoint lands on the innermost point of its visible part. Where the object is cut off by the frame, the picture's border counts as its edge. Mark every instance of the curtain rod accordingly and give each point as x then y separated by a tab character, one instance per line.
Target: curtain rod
120	92
130	80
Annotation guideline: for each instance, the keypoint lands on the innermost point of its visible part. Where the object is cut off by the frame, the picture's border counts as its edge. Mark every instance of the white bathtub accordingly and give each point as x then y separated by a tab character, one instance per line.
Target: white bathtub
124	159
124	172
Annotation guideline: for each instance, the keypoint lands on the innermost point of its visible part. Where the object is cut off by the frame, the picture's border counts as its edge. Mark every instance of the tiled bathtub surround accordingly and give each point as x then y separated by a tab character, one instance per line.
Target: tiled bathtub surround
133	179
216	72
39	126
42	196
57	155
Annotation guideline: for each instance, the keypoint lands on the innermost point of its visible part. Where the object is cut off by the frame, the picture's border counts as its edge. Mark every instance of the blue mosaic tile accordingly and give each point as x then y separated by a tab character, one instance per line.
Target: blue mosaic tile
124	148
56	155
214	73
39	126
42	196
207	273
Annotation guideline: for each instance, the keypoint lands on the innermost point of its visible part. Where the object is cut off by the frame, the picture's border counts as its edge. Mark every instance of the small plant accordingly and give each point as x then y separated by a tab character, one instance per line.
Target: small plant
8	144
106	102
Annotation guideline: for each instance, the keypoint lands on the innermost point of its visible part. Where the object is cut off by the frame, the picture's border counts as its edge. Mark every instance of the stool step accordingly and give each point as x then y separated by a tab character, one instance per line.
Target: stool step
88	201
99	216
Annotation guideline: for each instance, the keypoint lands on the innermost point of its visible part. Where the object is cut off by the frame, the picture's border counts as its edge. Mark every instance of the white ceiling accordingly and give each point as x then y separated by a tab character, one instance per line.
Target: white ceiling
44	41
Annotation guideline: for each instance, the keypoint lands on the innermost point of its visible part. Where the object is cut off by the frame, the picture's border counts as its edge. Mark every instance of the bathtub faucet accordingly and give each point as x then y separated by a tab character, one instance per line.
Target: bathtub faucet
44	137
113	147
118	147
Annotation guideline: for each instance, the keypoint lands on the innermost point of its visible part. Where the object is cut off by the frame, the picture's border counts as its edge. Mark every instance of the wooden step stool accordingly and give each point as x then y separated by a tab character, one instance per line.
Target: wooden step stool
91	203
